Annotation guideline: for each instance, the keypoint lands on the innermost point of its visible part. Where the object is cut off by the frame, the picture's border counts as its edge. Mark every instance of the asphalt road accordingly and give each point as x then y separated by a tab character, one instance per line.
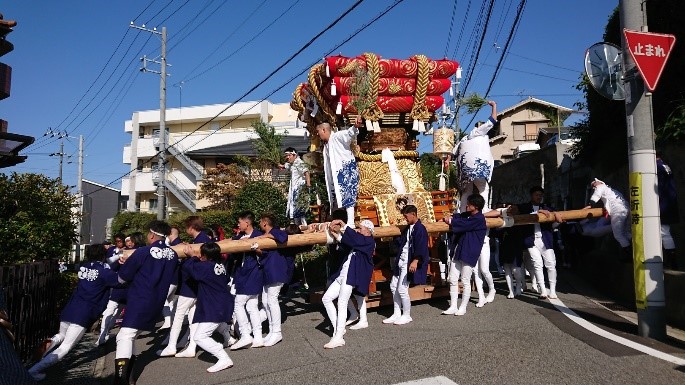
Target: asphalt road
512	341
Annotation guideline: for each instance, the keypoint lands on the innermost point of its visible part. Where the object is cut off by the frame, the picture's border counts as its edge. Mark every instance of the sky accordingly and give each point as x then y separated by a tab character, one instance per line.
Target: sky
75	65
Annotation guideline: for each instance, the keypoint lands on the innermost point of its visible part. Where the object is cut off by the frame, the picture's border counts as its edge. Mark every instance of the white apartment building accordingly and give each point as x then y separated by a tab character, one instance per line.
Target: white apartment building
195	144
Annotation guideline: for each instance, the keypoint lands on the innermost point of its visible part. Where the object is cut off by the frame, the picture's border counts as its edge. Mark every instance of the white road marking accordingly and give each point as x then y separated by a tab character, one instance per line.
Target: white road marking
613	337
438	380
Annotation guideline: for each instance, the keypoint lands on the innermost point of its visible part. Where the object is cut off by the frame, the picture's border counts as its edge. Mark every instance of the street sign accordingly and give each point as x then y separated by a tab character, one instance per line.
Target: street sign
650	52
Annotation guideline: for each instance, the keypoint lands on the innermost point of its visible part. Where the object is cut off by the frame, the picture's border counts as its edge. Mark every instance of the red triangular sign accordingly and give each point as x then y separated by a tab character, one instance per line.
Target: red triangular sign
650	52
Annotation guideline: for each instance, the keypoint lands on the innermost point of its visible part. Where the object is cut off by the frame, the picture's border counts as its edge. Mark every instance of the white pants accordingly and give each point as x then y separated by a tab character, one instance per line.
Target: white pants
342	291
126	347
169	304
273	309
483	189
483	268
203	338
541	256
245	304
399	287
620	227
69	335
184	305
666	238
459	269
514	277
299	221
110	315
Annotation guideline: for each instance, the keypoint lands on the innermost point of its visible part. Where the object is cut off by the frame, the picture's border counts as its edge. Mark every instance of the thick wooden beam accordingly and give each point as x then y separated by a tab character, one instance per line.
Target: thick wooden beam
230	246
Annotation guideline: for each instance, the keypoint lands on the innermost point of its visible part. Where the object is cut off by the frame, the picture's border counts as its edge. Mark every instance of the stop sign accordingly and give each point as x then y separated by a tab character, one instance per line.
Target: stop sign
650	52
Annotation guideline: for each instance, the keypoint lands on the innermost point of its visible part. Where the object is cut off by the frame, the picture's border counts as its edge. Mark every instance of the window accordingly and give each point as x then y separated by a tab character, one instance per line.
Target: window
527	131
152	204
140	165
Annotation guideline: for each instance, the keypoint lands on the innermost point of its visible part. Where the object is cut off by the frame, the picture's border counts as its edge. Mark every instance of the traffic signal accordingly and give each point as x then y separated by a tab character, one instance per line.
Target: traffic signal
10	144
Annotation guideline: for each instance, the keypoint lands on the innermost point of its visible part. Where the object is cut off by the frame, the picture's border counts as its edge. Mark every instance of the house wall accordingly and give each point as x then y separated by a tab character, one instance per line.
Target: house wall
503	148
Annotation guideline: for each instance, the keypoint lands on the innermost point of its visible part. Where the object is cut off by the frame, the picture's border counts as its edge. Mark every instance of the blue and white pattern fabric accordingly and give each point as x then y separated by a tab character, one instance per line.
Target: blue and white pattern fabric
298	181
342	175
473	154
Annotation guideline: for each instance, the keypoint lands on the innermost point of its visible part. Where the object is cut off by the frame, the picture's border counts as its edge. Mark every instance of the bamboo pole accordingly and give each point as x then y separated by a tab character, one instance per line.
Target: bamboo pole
231	246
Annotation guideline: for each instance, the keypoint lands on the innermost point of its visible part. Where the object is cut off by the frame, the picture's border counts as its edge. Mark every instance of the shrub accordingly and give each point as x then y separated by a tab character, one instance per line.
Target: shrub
261	197
128	222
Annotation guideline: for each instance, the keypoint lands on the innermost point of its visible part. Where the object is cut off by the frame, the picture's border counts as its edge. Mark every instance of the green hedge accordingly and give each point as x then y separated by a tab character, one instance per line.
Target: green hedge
260	198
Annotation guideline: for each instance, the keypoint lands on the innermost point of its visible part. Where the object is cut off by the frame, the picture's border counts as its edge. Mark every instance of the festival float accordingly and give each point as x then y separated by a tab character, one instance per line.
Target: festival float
397	100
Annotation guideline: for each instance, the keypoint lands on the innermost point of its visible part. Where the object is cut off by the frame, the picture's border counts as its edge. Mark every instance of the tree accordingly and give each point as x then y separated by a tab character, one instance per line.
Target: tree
127	222
221	185
261	197
38	218
268	146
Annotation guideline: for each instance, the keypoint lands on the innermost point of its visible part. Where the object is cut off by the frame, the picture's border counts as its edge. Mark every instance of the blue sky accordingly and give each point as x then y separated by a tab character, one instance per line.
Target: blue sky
75	63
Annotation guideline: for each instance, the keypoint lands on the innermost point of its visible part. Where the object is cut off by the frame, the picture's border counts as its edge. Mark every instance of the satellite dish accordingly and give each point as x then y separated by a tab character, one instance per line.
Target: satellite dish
604	68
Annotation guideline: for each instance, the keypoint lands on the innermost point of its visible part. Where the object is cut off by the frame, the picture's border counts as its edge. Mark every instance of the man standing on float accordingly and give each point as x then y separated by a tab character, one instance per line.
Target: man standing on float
340	166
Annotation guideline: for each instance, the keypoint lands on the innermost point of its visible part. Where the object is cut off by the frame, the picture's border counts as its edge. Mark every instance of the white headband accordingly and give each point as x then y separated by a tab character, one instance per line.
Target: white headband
156	233
290	153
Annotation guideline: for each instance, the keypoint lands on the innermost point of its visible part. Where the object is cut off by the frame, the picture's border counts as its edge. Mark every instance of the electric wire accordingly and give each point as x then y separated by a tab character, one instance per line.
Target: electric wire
223	60
219	46
449	34
44	138
350	37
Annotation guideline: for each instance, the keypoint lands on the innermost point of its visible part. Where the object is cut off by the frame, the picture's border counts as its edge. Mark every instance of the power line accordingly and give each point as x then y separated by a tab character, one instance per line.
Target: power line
359	30
174	12
160	11
512	32
245	20
461	32
97	93
197	25
532	73
449	35
480	45
244	44
542	62
98	76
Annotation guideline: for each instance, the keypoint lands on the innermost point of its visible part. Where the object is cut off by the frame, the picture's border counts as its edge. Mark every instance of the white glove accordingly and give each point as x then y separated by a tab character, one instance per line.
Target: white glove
508	220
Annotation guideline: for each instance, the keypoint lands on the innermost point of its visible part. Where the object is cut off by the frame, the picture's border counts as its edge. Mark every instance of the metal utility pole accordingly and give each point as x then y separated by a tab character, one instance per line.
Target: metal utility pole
644	201
61	158
79	186
161	161
80	169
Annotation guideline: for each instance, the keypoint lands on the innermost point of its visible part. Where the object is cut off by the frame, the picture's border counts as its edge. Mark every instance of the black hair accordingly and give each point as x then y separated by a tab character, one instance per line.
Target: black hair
535	189
211	251
138	239
290	149
339	214
159	227
409	209
270	219
292	229
118	236
210	232
249	215
476	200
95	252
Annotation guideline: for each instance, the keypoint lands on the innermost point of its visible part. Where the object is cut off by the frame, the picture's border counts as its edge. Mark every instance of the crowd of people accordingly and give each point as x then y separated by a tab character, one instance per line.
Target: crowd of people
233	294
